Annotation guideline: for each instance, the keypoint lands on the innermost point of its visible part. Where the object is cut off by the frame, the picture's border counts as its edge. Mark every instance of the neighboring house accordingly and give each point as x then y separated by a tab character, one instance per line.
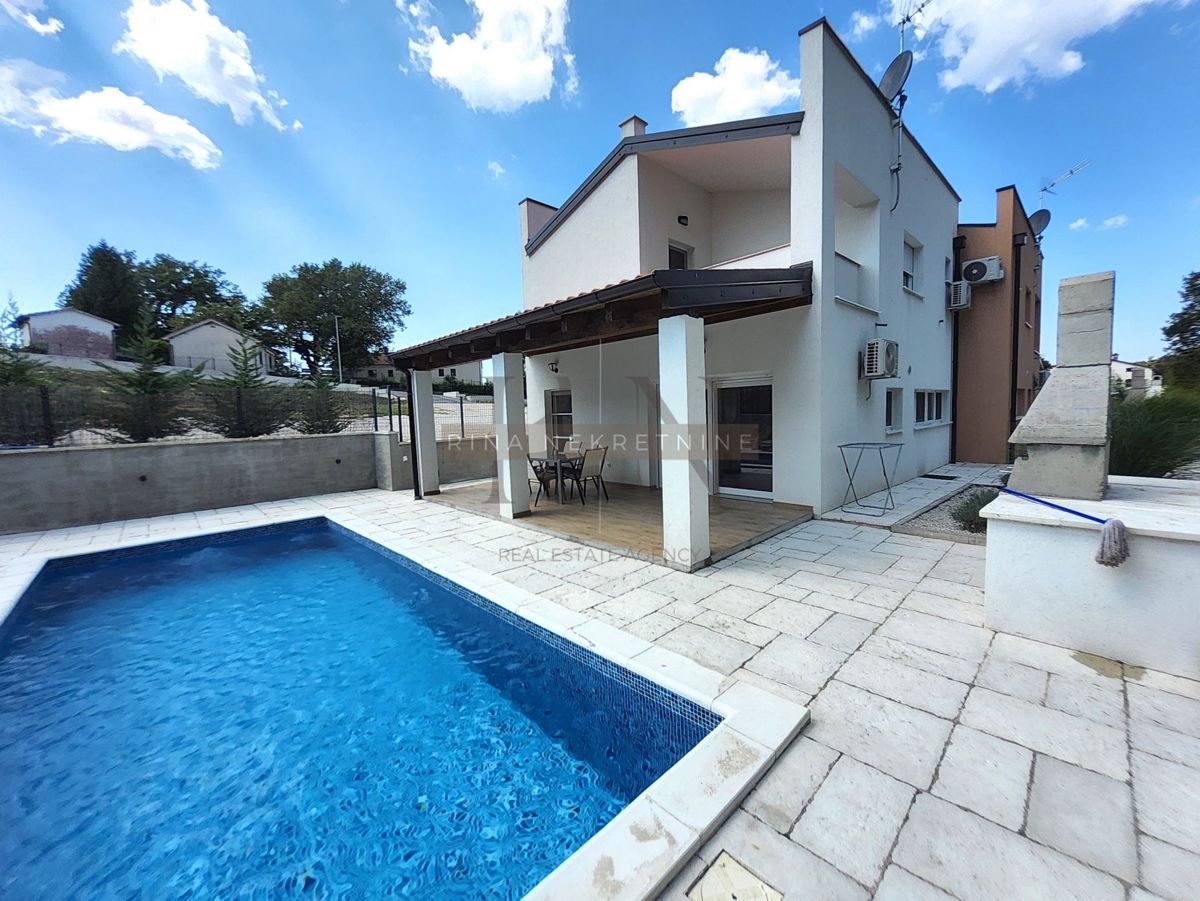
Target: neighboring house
703	303
461	372
70	333
210	342
1140	381
997	358
379	368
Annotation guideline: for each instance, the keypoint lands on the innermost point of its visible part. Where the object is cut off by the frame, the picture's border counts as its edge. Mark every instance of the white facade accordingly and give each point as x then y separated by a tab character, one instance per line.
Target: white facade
210	343
462	372
69	332
821	195
1139	381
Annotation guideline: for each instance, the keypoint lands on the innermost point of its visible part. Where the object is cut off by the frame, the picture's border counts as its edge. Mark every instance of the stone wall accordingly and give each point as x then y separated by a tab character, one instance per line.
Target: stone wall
57	487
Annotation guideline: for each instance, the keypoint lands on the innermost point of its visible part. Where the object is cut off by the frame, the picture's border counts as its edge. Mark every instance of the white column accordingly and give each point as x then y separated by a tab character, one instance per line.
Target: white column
425	443
684	433
512	439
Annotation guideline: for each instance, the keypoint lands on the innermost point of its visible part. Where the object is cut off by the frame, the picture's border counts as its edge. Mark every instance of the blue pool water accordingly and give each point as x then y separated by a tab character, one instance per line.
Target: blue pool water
295	713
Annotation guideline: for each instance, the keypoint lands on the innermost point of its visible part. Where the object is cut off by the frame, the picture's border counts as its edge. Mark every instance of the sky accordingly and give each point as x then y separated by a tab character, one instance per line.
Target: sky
254	135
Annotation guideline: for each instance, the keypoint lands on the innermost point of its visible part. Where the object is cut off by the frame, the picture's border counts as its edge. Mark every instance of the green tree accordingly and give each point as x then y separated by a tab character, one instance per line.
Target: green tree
1181	365
298	309
243	404
181	293
145	403
320	410
107	285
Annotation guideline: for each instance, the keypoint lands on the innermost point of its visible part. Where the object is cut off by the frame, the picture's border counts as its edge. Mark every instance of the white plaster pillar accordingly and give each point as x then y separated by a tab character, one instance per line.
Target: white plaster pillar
684	437
512	439
425	441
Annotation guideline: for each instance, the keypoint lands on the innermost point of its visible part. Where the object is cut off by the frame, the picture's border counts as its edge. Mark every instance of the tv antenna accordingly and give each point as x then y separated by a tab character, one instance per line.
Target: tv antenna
1049	187
909	17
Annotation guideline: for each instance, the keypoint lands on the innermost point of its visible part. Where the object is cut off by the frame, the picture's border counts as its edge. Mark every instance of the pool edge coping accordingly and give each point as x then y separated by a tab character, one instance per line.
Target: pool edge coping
649	841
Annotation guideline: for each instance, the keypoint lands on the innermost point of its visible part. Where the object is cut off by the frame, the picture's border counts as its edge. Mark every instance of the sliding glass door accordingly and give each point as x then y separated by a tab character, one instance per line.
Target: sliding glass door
742	443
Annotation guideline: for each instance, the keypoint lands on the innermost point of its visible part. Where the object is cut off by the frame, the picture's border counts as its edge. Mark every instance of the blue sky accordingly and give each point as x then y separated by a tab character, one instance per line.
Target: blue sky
403	136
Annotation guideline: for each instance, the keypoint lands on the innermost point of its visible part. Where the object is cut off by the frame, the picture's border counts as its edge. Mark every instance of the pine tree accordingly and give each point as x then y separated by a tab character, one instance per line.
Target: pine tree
145	403
107	285
319	408
244	404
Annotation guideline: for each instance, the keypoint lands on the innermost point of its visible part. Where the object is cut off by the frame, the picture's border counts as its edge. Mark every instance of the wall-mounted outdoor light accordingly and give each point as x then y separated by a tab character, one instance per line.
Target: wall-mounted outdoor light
683	220
553	366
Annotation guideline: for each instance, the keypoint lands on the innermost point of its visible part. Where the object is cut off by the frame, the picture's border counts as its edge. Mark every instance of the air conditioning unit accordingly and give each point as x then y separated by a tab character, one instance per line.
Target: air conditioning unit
881	359
985	269
958	296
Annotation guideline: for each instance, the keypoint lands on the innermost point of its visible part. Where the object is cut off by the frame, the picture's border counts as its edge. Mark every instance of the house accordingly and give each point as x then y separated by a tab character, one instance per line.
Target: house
69	332
471	372
997	360
706	304
1140	381
211	342
379	368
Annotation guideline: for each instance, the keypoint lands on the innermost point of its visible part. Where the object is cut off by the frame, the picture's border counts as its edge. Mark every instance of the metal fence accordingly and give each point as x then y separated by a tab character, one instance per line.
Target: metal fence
76	416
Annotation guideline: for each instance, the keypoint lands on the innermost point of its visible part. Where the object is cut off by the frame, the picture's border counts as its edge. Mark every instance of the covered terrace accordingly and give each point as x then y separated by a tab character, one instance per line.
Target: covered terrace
691	526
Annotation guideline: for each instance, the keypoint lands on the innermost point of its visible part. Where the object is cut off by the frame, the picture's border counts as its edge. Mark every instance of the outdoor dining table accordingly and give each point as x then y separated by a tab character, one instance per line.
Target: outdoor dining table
557	462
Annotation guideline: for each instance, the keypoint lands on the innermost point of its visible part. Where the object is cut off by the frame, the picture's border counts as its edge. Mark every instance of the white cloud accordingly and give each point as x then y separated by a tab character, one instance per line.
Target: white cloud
30	98
987	44
863	23
510	59
1079	224
495	169
182	38
1118	221
25	12
747	83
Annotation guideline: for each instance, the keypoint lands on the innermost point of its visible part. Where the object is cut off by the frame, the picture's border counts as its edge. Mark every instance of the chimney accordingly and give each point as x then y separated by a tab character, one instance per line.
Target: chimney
633	126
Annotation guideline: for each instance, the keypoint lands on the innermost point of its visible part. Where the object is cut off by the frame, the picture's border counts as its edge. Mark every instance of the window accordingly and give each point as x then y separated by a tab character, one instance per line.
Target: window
441	373
391	373
370	373
911	266
677	257
930	407
453	373
893	412
560	420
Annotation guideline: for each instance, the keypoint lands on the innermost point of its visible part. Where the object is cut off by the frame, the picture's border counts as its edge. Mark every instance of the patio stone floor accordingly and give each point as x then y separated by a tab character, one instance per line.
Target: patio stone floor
942	760
916	495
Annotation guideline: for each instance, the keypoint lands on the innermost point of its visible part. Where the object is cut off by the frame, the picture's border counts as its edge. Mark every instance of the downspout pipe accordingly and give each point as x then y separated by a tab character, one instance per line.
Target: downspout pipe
960	243
1019	241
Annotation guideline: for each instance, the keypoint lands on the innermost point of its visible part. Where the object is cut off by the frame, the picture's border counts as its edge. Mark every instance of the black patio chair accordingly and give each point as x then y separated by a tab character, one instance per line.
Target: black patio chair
545	477
589	469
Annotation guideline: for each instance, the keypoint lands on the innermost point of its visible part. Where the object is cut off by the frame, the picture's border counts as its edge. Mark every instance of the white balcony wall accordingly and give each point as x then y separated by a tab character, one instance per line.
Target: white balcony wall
774	258
847	279
748	222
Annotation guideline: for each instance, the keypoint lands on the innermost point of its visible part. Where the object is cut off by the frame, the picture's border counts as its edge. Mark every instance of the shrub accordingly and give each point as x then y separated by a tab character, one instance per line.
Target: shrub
966	511
1156	436
320	410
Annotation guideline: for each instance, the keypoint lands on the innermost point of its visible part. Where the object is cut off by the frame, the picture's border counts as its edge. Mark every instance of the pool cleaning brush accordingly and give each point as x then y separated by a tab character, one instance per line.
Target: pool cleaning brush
1114	540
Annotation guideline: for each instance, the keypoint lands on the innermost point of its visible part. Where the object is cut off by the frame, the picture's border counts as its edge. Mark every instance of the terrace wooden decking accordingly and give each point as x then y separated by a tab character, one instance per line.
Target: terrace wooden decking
631	521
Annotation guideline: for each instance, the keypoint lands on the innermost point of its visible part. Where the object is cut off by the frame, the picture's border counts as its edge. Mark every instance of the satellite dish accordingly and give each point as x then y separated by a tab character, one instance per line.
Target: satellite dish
1038	222
893	79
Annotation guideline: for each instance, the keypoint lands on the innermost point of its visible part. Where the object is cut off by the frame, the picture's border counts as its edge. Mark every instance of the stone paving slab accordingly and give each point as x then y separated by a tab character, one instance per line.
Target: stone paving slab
910	699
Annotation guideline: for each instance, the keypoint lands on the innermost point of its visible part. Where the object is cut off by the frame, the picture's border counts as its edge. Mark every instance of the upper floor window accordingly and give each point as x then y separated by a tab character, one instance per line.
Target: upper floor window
677	257
911	266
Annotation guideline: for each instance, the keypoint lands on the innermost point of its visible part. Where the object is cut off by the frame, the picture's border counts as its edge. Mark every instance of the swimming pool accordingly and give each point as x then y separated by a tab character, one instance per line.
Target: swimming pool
294	710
